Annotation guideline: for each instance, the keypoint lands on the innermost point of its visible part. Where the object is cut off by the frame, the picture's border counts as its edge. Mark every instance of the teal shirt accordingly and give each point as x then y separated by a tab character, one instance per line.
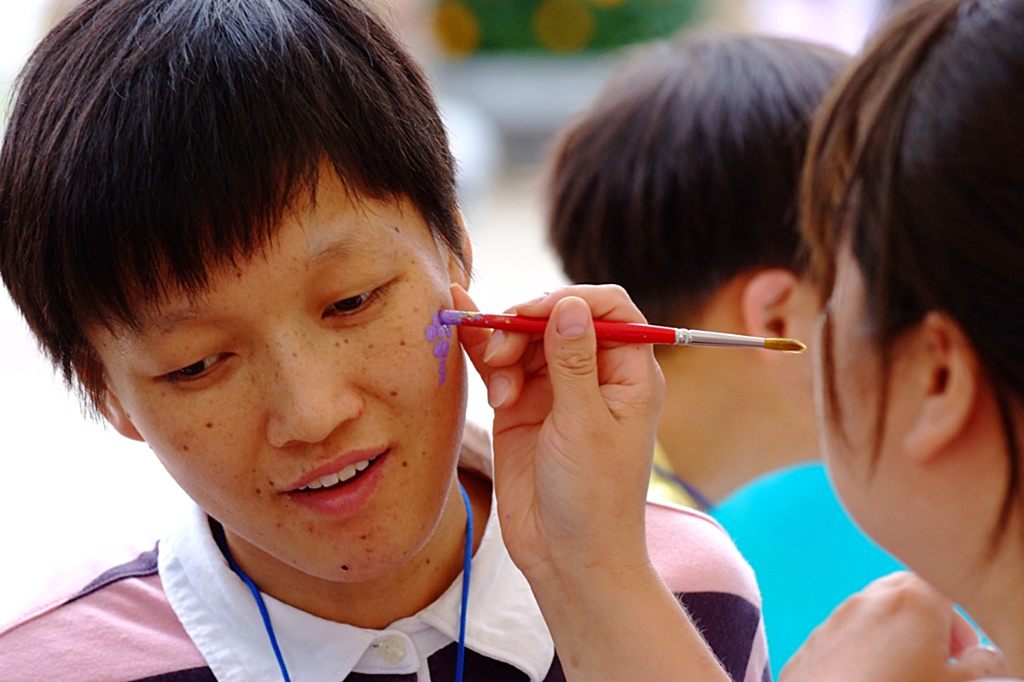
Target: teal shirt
806	552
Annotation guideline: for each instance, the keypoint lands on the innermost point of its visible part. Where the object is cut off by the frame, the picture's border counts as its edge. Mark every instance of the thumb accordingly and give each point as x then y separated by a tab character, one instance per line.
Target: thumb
978	662
570	348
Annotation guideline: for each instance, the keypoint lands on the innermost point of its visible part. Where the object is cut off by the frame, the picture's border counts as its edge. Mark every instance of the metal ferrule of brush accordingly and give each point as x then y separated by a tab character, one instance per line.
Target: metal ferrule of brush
690	337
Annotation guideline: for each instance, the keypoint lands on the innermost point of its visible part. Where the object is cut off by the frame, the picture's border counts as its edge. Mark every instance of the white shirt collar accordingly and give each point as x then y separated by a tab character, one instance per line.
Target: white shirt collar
221	616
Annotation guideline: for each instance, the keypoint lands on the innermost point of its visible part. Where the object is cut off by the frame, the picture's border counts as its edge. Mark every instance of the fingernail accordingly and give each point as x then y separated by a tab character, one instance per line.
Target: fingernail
498	389
989	660
572	318
493	344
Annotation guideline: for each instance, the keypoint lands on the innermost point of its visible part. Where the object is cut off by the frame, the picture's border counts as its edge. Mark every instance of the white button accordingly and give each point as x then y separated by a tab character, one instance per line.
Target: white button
391	649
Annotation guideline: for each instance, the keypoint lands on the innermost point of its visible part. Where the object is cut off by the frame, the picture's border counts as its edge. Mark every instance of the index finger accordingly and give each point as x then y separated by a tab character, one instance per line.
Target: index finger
606	301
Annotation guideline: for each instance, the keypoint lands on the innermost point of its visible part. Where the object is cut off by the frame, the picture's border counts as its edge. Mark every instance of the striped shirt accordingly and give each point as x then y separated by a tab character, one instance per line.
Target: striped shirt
177	613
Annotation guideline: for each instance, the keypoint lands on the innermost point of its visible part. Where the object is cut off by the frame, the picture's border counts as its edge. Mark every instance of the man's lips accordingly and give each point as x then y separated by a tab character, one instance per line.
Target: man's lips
340	471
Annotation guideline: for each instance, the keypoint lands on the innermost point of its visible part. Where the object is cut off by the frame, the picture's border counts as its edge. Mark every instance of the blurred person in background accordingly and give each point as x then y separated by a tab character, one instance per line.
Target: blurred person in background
679	184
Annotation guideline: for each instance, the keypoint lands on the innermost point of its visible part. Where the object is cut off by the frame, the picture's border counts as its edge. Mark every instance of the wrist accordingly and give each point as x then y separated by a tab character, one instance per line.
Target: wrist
591	617
579	567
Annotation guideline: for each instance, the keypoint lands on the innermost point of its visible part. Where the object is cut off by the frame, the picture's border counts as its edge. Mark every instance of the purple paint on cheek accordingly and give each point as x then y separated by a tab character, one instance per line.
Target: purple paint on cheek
439	333
449	317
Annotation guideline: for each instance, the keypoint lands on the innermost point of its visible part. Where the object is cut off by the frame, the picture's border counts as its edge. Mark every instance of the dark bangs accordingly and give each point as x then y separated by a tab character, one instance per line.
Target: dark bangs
151	141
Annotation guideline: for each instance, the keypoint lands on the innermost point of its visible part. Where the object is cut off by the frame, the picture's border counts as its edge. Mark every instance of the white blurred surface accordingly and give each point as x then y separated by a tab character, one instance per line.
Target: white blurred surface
19	28
839	23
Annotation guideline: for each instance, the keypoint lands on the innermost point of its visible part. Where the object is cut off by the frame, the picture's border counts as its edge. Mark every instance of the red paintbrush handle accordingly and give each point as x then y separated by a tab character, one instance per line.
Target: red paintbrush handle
626	332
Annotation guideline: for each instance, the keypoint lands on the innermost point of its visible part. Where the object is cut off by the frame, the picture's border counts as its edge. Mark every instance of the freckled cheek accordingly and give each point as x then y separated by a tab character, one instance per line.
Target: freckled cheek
432	410
422	362
198	449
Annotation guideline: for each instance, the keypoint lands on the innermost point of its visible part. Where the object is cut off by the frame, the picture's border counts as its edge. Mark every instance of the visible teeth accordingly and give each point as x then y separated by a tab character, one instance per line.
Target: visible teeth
345	474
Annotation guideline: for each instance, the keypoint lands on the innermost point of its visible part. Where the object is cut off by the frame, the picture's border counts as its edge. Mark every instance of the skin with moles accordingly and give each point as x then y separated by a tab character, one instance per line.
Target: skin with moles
307	359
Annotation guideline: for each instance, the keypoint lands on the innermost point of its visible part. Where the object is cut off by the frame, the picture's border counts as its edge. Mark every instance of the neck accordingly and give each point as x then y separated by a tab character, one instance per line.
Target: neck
720	427
397	594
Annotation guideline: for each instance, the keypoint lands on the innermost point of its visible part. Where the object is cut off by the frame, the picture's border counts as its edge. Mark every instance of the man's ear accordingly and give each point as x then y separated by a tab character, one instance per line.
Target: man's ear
112	410
946	372
459	270
768	302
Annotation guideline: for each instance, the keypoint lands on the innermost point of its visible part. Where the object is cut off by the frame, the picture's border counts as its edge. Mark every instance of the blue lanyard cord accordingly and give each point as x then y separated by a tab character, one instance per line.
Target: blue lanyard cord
218	532
222	541
467	562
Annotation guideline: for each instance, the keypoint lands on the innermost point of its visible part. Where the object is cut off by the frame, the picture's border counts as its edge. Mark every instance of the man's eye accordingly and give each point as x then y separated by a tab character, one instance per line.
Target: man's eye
196	369
349	305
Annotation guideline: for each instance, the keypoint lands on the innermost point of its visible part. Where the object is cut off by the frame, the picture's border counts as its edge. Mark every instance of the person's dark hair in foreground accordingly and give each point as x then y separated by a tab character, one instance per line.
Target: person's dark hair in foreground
915	216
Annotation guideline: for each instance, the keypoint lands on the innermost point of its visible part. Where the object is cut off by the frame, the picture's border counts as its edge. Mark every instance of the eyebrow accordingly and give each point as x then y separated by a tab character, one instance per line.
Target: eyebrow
336	248
165	322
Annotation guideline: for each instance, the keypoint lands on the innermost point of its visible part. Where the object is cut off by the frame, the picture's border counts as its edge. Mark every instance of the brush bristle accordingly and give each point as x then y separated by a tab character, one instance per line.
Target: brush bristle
786	345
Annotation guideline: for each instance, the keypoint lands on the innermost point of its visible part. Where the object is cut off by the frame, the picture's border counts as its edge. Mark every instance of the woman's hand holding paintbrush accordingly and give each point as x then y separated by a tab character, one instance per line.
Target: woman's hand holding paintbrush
573	435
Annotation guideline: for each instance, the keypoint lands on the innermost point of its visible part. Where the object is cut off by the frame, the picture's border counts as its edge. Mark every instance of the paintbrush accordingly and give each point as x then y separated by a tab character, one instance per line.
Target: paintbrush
626	332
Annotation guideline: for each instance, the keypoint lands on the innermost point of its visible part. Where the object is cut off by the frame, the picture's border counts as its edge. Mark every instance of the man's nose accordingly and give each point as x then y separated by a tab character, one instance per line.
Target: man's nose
308	391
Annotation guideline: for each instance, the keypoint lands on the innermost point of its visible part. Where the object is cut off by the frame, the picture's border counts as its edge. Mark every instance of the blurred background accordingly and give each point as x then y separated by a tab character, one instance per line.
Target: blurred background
508	75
